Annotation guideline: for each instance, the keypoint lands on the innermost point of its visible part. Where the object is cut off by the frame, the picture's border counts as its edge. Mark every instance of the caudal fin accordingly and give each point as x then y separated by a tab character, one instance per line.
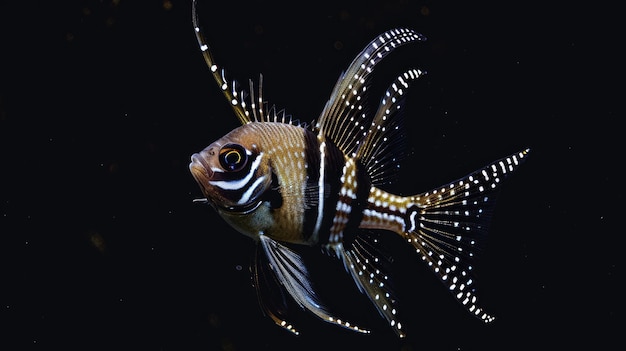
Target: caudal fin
448	225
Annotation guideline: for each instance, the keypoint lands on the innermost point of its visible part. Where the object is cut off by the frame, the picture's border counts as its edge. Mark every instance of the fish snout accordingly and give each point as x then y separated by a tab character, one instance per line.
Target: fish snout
199	167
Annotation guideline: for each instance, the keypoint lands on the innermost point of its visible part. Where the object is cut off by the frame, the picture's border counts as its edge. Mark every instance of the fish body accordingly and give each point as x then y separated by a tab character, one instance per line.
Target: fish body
287	184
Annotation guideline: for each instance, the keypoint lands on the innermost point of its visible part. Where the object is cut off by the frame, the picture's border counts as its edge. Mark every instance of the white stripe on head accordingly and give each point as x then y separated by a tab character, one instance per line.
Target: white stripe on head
246	196
238	184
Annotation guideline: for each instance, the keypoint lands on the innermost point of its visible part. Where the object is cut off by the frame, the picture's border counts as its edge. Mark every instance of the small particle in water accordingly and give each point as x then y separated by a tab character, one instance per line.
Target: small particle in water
96	240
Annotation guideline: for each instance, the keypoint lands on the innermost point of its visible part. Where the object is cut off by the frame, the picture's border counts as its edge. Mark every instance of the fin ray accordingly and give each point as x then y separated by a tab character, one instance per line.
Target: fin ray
381	143
290	270
369	274
344	113
449	224
271	296
246	105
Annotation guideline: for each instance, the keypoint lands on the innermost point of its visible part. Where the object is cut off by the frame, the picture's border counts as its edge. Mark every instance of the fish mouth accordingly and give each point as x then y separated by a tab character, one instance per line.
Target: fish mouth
200	170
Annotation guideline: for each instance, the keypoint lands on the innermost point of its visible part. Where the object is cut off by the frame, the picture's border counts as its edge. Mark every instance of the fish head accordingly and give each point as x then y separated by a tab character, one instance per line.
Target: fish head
232	172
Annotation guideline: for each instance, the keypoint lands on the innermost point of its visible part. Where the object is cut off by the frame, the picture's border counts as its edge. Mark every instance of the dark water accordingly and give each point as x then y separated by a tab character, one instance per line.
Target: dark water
103	102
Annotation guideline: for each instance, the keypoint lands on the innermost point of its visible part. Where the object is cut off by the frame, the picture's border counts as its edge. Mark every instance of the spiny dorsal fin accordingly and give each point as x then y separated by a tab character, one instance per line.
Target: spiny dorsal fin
344	115
247	107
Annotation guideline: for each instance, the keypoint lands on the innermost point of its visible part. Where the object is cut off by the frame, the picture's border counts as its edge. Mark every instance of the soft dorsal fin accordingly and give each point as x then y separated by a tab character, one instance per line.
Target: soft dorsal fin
247	106
344	116
379	145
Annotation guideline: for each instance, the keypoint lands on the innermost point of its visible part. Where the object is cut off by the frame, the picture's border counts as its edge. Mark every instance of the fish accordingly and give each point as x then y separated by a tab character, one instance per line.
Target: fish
290	185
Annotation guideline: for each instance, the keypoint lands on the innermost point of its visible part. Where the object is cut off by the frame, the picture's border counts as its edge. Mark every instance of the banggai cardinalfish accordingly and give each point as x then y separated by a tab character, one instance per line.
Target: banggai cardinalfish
286	184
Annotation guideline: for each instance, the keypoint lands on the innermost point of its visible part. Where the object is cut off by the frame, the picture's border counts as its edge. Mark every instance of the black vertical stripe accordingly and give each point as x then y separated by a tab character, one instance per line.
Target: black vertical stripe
358	204
311	197
334	162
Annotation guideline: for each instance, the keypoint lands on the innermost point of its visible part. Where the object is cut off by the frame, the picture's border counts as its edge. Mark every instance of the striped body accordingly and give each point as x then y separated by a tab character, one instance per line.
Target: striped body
304	174
287	184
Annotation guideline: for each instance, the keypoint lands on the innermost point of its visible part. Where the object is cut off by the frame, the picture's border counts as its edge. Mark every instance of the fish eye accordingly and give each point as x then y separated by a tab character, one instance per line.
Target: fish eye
233	157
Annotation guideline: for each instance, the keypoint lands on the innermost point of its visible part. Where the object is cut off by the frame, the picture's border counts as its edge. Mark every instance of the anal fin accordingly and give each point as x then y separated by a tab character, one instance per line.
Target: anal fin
290	271
365	266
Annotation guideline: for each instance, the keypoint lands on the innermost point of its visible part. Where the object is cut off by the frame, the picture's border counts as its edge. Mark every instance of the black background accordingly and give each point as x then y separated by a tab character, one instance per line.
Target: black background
103	102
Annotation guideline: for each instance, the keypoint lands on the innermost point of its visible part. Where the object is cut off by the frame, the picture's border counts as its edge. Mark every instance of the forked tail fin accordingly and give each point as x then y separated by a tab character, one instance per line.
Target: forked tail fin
448	225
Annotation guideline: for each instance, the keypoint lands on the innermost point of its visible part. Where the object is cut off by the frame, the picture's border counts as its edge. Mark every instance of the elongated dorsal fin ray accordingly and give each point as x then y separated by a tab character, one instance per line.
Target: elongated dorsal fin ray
378	149
344	114
291	271
247	107
229	89
448	226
